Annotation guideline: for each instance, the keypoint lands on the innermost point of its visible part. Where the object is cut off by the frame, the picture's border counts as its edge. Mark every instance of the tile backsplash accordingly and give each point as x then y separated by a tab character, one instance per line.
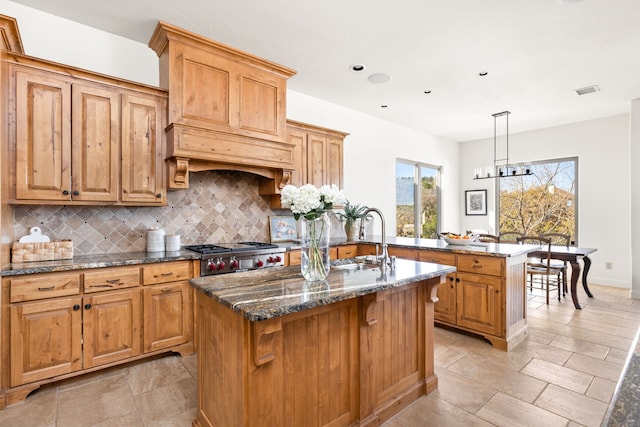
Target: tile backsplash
219	206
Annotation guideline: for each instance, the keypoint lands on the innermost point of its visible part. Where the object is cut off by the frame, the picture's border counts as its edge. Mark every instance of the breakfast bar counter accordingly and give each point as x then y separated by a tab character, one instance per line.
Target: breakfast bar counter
354	349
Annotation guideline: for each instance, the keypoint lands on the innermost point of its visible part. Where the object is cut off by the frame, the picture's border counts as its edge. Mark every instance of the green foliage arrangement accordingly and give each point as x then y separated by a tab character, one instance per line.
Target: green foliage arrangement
352	212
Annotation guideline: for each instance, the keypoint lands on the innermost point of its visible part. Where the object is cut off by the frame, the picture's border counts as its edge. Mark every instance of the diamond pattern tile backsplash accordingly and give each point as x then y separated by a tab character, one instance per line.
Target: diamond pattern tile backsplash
218	207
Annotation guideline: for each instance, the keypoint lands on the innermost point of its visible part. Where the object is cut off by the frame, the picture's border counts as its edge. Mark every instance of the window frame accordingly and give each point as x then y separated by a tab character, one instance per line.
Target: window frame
417	195
573	159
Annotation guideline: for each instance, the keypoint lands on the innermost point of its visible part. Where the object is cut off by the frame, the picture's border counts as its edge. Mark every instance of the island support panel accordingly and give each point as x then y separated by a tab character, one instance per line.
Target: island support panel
351	363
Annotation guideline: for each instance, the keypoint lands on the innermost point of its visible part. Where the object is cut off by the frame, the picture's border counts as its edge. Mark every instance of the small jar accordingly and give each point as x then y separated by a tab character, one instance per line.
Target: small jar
172	242
155	240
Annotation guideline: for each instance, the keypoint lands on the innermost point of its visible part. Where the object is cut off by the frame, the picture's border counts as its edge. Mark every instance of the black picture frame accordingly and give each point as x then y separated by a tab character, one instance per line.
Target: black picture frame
475	202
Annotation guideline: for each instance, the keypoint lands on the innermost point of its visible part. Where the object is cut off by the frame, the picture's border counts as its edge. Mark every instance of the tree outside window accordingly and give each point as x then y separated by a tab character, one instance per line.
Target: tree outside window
544	202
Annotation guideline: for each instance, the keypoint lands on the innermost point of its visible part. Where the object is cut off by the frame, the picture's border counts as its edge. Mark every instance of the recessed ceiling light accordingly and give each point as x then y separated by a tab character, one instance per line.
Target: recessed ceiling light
378	78
358	67
587	89
483	73
384	106
427	92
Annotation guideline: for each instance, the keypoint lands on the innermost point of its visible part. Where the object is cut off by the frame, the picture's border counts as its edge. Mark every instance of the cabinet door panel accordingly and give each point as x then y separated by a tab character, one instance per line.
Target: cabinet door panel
111	327
167	315
45	339
479	303
142	149
316	159
43	136
445	308
334	162
95	153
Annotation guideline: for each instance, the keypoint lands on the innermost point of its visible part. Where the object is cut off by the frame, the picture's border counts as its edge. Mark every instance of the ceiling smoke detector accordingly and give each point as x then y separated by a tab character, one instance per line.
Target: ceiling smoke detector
587	89
378	78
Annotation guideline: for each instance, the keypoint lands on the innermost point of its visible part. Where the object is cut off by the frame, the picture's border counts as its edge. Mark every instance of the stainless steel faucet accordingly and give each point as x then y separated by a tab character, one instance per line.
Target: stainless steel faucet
384	257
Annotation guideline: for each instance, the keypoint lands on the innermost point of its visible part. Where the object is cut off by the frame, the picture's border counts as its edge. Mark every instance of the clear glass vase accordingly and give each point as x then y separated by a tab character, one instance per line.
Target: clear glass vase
314	235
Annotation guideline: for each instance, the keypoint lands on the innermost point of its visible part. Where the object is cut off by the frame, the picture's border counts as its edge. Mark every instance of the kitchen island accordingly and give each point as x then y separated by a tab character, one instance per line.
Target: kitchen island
487	293
275	350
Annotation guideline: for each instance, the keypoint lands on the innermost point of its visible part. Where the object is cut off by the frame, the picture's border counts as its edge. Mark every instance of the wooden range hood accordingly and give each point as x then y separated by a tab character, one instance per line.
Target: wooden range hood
227	109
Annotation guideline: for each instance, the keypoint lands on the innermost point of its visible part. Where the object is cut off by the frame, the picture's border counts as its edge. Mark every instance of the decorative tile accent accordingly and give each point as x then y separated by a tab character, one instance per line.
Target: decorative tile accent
219	207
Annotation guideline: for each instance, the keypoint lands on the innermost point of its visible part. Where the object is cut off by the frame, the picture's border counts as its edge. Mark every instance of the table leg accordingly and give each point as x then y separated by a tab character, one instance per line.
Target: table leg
575	272
587	265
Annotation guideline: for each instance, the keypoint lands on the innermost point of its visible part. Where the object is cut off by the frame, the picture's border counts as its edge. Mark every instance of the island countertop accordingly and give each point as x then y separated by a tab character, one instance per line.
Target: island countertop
264	294
502	250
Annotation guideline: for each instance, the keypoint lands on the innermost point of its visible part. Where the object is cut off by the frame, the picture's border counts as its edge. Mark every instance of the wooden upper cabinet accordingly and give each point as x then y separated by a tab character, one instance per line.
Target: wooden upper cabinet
83	138
95	118
318	154
142	150
43	136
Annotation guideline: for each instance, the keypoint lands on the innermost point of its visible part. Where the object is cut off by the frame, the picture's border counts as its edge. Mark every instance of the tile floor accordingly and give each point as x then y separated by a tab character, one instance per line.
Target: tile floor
564	374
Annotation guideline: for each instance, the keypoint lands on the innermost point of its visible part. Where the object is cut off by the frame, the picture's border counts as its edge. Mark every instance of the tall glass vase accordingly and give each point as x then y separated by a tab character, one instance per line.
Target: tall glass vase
314	234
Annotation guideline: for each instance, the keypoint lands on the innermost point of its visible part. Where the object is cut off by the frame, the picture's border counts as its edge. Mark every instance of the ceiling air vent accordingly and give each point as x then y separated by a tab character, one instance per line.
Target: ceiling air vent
588	89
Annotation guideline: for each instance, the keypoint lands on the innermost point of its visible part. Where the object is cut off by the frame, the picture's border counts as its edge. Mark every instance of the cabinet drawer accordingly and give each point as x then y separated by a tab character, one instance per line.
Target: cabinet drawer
294	257
348	251
166	272
111	278
480	264
41	286
437	257
406	253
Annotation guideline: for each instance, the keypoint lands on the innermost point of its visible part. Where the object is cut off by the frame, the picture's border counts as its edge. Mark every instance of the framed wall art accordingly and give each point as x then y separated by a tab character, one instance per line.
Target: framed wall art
475	202
283	228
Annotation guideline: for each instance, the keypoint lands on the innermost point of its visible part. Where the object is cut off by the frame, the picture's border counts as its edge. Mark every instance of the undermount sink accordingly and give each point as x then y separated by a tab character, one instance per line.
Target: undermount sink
358	263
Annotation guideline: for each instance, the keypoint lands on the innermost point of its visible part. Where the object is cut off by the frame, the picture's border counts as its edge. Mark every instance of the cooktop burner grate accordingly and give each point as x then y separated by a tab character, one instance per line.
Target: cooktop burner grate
207	249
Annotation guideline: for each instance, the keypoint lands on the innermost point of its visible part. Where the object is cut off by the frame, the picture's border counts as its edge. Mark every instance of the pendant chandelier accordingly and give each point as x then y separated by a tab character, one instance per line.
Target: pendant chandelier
501	166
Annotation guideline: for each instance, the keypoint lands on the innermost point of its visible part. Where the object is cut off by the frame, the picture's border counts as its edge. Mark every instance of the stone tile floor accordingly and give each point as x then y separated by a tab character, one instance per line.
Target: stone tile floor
564	374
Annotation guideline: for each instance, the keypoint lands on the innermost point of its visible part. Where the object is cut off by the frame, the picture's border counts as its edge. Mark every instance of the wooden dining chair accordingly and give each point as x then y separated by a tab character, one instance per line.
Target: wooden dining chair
540	264
510	236
560	239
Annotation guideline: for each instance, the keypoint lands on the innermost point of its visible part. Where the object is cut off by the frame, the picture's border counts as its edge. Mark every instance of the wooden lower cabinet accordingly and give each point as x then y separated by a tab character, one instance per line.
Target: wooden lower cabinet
168	319
46	339
111	324
351	363
58	325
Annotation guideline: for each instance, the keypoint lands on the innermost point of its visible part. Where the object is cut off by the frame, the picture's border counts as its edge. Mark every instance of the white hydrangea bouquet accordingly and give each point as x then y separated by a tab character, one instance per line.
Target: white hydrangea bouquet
310	202
312	206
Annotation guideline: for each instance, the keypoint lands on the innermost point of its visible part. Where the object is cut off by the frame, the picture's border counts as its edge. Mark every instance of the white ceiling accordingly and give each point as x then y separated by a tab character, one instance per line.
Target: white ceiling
535	51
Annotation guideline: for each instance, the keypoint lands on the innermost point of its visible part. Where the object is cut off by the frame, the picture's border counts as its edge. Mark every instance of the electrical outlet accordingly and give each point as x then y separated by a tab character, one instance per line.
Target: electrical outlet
608	265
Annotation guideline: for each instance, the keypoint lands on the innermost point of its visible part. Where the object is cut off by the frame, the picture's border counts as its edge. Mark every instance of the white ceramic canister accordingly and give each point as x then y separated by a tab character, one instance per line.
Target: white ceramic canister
172	242
155	240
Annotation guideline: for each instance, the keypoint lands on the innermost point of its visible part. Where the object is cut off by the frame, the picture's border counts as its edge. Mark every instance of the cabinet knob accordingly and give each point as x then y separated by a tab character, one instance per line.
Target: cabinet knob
76	193
65	192
76	307
87	306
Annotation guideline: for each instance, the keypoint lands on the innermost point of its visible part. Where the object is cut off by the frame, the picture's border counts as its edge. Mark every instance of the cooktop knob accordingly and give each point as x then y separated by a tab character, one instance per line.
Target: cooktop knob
211	265
220	264
259	263
233	263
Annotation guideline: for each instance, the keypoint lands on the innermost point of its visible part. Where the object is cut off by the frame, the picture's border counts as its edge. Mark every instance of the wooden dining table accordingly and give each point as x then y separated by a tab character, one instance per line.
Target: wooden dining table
572	254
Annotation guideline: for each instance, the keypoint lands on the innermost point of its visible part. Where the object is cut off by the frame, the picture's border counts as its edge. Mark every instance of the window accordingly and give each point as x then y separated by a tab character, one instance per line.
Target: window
544	202
417	200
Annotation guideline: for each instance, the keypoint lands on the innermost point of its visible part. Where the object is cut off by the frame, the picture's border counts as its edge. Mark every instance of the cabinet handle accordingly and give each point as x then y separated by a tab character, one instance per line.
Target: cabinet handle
477	265
166	290
48	288
166	274
113	281
76	307
65	193
76	193
87	306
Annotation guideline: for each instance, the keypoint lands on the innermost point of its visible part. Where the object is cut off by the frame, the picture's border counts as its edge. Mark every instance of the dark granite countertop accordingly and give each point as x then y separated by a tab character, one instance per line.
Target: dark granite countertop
95	261
624	409
265	294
